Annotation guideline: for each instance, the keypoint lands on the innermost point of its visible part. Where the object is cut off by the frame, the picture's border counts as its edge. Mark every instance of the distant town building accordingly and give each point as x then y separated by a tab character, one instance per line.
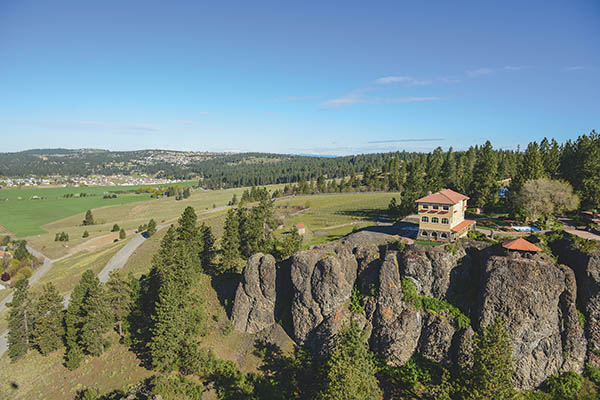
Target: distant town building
301	229
442	216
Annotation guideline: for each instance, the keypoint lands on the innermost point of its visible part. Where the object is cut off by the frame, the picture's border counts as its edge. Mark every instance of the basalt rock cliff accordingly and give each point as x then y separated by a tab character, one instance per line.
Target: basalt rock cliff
536	297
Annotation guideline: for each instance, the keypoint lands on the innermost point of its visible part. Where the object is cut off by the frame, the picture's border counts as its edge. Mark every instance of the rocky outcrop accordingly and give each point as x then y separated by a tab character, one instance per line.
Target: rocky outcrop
437	337
587	273
396	325
536	300
322	281
432	269
254	307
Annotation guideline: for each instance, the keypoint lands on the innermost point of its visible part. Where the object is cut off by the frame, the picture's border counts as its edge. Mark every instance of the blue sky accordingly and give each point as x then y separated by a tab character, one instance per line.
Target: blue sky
308	77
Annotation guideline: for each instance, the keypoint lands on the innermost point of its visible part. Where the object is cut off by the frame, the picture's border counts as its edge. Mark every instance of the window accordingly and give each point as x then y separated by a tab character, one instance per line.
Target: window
423	233
444	220
424	206
435	220
435	207
444	236
424	219
445	208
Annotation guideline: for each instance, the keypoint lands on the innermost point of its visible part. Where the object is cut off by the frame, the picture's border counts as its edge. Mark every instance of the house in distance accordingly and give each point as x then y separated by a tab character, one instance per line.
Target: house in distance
442	216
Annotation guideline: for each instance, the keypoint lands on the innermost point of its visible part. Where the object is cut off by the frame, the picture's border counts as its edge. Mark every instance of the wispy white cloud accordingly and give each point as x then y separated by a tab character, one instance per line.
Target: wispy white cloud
473	73
577	67
129	127
359	97
485	71
299	98
407	80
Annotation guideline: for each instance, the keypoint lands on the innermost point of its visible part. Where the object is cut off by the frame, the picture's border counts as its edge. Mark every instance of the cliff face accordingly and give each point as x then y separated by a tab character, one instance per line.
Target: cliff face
587	273
536	300
535	297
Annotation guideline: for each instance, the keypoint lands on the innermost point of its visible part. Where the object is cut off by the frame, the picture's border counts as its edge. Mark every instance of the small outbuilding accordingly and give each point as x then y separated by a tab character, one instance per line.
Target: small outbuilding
522	245
301	229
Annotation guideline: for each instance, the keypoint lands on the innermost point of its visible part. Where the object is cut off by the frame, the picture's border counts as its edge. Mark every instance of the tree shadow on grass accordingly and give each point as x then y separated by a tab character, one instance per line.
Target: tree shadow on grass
226	285
368	214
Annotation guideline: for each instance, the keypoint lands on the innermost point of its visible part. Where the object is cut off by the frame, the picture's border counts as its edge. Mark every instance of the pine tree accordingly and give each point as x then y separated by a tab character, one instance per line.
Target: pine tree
151	230
169	319
208	248
485	188
96	318
351	368
449	169
492	370
291	243
434	170
122	234
74	317
48	327
119	297
20	321
230	242
89	218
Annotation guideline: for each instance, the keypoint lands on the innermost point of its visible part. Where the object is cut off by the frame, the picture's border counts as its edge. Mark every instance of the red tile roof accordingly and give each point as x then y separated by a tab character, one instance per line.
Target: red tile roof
465	224
444	196
520	244
299	226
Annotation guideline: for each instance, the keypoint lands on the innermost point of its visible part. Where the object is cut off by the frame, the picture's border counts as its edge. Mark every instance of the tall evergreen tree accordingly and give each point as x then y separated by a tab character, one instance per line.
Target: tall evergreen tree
484	188
230	242
89	218
351	369
151	230
74	319
20	321
96	318
48	328
120	298
449	169
492	368
435	161
207	256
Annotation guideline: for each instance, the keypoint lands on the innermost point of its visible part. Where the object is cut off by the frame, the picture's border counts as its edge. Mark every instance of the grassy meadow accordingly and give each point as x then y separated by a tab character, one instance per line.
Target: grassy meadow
24	216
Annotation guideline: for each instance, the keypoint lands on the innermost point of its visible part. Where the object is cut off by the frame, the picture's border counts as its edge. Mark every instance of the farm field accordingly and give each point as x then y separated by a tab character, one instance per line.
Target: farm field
331	216
128	216
23	216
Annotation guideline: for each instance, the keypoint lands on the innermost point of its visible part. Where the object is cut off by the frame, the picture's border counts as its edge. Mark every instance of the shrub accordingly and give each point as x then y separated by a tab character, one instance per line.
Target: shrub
565	386
409	293
592	373
115	228
355	301
175	386
85	234
581	318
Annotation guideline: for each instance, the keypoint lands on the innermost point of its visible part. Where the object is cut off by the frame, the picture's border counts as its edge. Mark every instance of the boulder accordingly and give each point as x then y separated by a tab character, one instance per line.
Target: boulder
254	306
437	336
431	268
396	324
536	300
322	280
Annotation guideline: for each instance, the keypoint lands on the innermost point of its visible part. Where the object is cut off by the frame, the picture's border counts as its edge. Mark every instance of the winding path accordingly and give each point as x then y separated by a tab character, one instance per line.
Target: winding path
117	261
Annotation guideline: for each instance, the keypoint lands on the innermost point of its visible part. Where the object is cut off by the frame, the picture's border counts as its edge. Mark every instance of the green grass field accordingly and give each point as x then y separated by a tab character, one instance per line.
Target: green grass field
331	216
25	217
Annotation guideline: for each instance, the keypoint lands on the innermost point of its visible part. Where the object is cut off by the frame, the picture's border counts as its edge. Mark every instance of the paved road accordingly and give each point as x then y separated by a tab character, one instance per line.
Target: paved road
117	261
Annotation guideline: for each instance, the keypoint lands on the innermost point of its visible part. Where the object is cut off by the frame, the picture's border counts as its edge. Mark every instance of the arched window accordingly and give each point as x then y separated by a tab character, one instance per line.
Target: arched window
444	235
435	220
423	233
444	220
424	219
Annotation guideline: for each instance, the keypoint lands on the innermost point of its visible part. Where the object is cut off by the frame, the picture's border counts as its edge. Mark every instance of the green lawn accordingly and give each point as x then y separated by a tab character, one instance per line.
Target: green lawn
25	217
331	216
